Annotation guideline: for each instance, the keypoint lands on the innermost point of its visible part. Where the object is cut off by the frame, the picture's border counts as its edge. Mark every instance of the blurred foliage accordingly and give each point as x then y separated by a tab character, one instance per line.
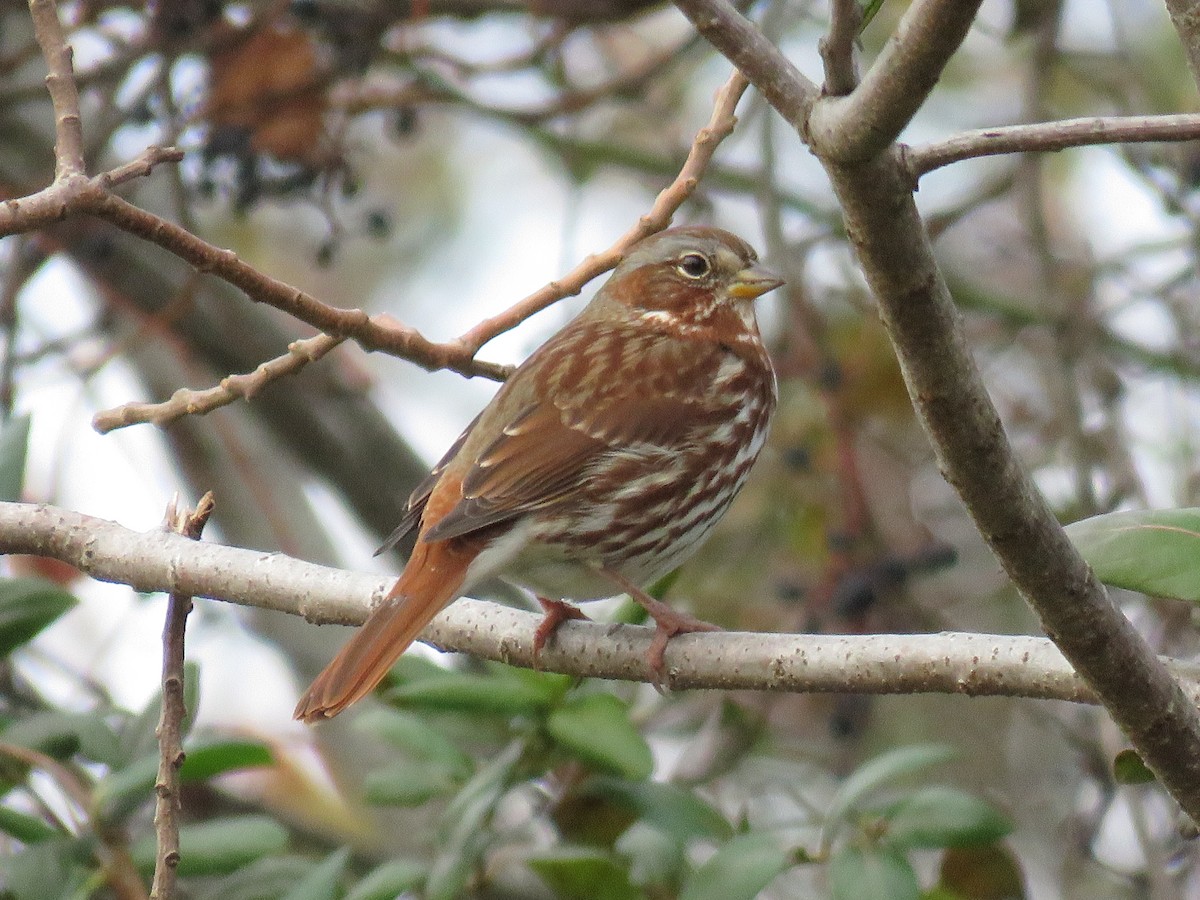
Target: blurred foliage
559	790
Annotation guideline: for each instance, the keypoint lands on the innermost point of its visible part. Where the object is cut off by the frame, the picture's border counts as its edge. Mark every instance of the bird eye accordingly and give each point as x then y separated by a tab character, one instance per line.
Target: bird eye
694	266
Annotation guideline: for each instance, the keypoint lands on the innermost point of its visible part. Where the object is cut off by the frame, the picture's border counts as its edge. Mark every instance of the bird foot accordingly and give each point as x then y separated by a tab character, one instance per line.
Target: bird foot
668	622
556	612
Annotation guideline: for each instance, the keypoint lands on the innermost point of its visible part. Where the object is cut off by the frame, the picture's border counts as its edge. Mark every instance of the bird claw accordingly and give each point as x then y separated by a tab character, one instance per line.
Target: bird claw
556	612
669	622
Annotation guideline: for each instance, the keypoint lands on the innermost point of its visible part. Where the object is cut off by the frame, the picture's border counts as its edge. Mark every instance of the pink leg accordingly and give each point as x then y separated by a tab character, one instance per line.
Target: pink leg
668	623
556	612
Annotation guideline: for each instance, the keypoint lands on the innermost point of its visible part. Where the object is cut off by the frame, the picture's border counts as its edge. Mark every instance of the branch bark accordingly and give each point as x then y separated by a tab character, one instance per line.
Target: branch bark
867	121
1185	16
852	136
1050	137
167	786
971	664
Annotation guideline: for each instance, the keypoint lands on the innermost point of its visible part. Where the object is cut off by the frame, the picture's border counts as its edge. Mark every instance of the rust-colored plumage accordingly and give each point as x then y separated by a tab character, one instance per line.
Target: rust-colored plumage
601	463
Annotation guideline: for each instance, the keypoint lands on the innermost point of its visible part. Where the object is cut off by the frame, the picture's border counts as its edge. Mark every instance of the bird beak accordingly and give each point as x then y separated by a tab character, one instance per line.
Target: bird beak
754	281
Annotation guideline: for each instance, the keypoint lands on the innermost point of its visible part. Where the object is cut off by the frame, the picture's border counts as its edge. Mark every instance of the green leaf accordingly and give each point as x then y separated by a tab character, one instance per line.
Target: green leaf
869	11
739	870
216	757
461	832
409	784
51	870
856	874
1129	768
324	881
27	605
389	880
944	817
596	729
416	737
584	875
218	846
14	447
668	807
1156	552
26	829
991	872
552	684
885	768
654	857
474	694
62	735
270	876
124	790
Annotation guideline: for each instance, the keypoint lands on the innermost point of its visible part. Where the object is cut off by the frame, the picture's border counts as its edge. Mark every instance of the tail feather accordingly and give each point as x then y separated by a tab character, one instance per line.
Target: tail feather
425	587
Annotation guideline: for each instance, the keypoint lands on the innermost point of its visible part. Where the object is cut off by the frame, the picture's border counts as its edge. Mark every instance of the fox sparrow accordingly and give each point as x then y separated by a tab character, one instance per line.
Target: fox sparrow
601	463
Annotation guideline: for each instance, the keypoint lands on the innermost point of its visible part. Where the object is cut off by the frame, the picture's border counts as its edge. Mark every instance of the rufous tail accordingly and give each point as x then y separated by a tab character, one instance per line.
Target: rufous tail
432	578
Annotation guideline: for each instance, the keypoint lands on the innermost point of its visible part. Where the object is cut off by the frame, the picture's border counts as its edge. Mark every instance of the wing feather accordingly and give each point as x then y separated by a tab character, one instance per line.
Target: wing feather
415	508
553	442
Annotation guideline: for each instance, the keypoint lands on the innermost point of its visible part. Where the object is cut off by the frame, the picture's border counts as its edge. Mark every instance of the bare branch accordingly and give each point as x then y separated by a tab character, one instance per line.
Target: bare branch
1049	137
852	140
189	523
972	664
857	127
186	402
64	95
837	48
380	332
64	197
772	73
1185	16
720	126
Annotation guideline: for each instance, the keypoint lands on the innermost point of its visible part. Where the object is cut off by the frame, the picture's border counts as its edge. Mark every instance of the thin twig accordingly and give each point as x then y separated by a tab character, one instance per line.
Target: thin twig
379	332
1050	137
187	402
837	48
64	95
719	126
111	850
382	332
64	197
190	524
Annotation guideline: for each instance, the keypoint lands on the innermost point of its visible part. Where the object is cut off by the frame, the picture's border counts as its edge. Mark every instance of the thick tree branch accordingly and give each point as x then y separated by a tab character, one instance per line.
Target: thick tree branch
1185	16
972	664
946	388
1048	137
837	48
772	73
864	123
